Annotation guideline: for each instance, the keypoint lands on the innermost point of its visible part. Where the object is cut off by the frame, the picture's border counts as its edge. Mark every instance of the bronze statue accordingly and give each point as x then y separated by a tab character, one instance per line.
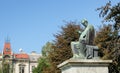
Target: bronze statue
86	38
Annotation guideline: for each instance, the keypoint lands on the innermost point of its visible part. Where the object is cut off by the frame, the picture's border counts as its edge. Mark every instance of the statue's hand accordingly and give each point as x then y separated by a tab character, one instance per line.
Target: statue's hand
83	42
79	32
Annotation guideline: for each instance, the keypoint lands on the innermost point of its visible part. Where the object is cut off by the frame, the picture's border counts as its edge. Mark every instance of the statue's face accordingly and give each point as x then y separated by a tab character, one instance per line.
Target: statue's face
84	22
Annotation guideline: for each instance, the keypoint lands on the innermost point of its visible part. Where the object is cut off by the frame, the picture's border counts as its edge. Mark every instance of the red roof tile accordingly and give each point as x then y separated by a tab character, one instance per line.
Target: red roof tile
21	56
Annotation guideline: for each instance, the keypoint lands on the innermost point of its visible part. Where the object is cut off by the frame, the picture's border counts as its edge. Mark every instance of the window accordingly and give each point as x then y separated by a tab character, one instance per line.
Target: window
6	56
7	49
21	68
33	67
33	58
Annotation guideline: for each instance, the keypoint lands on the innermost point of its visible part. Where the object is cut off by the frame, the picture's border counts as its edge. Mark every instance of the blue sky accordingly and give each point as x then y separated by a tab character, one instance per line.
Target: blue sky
31	23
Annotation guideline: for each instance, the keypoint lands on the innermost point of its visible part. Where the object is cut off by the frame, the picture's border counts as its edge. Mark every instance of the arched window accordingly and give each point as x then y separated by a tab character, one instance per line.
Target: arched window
21	68
6	56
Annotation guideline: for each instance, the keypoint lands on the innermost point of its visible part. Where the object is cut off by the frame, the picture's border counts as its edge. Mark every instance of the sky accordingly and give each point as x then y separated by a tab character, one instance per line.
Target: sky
30	24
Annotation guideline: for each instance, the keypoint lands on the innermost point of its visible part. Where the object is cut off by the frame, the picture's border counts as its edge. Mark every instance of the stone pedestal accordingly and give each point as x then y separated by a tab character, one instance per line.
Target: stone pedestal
85	66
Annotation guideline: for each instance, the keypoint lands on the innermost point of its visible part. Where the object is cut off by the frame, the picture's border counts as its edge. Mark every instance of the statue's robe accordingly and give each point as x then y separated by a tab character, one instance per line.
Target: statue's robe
86	38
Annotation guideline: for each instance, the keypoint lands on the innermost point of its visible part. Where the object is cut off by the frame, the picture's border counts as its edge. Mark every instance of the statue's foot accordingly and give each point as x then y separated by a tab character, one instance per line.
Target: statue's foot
80	56
75	56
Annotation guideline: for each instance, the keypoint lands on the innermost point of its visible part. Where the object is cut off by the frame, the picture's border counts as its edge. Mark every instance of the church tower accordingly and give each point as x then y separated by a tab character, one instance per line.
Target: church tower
7	57
7	51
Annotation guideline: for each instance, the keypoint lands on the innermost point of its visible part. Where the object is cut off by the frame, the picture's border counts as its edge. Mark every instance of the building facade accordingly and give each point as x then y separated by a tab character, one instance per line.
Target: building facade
17	62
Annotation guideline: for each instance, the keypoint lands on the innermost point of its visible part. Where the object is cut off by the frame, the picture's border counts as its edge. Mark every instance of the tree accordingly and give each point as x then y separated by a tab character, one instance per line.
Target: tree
111	13
5	67
62	45
47	49
108	50
43	63
0	68
103	41
110	43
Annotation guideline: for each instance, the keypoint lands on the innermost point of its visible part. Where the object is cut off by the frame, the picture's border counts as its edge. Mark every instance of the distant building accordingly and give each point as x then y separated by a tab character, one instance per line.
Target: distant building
18	62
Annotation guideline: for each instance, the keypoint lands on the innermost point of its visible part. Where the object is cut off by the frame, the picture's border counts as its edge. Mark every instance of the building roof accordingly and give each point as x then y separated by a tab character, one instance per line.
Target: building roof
34	56
21	56
7	51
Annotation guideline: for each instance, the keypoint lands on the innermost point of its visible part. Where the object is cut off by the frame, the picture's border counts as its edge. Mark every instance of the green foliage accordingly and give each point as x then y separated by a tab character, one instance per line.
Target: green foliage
58	51
103	41
111	13
61	49
42	64
0	68
47	49
114	15
6	68
109	41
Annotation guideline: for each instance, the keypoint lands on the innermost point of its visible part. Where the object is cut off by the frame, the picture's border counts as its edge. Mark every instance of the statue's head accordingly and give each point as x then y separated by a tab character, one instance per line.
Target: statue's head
84	22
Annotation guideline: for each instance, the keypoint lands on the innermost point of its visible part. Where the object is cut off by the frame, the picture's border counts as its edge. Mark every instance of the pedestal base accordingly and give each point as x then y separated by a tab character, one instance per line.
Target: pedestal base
85	66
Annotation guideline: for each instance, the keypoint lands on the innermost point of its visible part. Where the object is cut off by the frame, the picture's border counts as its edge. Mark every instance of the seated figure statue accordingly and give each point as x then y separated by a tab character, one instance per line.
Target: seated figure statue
86	38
